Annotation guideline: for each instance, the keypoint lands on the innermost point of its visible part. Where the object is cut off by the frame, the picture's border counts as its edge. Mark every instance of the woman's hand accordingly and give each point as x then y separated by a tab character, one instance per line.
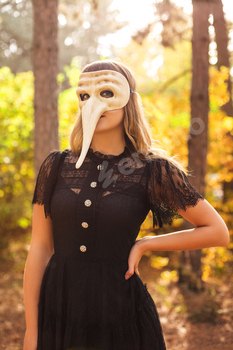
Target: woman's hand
30	340
136	252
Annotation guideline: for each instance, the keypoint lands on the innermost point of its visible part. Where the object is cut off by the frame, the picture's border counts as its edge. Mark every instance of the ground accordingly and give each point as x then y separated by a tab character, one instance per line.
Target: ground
190	321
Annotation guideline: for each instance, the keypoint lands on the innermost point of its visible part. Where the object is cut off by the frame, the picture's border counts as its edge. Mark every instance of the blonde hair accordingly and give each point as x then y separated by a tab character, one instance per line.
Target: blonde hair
136	126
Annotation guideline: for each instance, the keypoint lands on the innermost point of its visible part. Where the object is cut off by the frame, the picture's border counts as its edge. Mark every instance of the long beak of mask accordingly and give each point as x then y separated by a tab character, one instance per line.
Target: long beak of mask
99	92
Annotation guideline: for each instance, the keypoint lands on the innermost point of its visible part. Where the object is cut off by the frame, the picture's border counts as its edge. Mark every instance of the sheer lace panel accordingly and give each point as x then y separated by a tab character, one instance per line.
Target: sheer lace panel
117	175
70	176
168	191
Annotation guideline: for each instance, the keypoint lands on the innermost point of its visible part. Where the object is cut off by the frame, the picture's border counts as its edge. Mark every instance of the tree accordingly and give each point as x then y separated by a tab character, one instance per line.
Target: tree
175	25
45	64
221	37
198	138
81	24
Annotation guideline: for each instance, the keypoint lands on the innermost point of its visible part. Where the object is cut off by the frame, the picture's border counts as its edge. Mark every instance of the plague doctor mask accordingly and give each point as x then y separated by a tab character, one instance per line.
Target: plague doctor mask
98	92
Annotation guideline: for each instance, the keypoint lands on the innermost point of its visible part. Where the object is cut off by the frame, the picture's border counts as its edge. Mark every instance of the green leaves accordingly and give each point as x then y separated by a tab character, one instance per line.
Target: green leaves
16	155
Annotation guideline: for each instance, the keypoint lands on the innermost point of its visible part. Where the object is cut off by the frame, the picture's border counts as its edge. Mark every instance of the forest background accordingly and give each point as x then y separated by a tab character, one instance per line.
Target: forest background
156	40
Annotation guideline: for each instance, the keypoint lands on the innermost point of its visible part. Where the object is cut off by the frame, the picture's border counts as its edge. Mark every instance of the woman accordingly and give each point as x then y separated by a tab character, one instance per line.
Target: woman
82	285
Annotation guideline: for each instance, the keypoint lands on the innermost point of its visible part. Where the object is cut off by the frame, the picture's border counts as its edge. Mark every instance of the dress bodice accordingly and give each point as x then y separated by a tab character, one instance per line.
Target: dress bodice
154	181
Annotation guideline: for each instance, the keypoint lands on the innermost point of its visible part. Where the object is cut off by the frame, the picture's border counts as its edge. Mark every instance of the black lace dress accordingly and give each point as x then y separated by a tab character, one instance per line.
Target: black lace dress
85	302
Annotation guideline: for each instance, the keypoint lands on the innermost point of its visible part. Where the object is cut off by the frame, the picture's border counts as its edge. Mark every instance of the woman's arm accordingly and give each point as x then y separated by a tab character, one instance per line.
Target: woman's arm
210	231
41	250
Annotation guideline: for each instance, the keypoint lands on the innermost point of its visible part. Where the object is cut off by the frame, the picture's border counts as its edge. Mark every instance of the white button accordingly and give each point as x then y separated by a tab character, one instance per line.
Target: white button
99	167
87	203
93	184
83	248
84	224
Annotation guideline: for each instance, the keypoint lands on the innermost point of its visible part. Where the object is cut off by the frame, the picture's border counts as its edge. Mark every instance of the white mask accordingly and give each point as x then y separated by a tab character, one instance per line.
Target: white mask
98	92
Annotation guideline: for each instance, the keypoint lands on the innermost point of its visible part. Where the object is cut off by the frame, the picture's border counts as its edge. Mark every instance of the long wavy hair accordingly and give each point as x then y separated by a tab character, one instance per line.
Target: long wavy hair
136	127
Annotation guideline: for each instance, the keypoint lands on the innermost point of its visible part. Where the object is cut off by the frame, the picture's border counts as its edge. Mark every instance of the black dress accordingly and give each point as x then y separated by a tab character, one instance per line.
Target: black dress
85	302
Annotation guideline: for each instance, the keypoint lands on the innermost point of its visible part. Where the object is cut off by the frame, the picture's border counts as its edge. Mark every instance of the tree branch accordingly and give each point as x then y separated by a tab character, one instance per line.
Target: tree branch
172	80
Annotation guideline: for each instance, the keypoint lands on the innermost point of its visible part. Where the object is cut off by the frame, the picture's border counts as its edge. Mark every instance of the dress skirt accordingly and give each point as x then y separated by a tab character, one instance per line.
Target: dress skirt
90	306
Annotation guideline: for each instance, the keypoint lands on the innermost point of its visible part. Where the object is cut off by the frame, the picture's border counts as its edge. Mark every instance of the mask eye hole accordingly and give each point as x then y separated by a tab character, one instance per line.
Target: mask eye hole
84	97
107	93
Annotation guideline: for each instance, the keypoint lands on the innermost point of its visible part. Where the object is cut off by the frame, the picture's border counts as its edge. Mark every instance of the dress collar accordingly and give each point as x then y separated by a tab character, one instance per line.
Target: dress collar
98	156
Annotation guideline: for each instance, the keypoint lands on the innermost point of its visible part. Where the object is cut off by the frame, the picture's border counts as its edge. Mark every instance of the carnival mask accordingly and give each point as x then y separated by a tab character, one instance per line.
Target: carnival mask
98	92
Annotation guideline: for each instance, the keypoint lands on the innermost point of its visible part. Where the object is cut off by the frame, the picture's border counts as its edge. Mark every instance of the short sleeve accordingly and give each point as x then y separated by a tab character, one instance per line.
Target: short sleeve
46	180
169	190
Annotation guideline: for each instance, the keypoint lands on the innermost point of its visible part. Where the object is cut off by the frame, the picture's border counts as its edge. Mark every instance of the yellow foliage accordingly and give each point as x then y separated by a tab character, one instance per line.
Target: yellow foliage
218	92
227	123
215	261
169	276
159	262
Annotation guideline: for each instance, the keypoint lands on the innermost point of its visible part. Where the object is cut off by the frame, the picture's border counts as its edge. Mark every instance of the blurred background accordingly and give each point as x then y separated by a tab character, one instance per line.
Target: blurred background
181	52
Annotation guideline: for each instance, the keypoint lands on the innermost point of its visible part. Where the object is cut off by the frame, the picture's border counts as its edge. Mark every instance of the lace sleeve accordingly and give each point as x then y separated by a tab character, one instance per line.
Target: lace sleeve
45	181
169	190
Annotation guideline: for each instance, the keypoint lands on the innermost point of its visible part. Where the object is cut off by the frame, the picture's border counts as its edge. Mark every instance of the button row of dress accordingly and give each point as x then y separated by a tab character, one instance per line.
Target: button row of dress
88	203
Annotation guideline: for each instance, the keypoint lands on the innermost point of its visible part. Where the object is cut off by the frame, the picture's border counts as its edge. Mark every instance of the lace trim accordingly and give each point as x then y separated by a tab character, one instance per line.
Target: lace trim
99	154
110	157
46	180
169	190
42	178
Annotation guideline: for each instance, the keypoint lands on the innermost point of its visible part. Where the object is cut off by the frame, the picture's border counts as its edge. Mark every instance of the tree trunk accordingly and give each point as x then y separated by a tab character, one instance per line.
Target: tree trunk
221	38
198	138
45	64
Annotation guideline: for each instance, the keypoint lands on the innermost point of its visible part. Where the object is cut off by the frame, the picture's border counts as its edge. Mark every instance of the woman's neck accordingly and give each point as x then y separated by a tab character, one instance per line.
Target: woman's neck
110	146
